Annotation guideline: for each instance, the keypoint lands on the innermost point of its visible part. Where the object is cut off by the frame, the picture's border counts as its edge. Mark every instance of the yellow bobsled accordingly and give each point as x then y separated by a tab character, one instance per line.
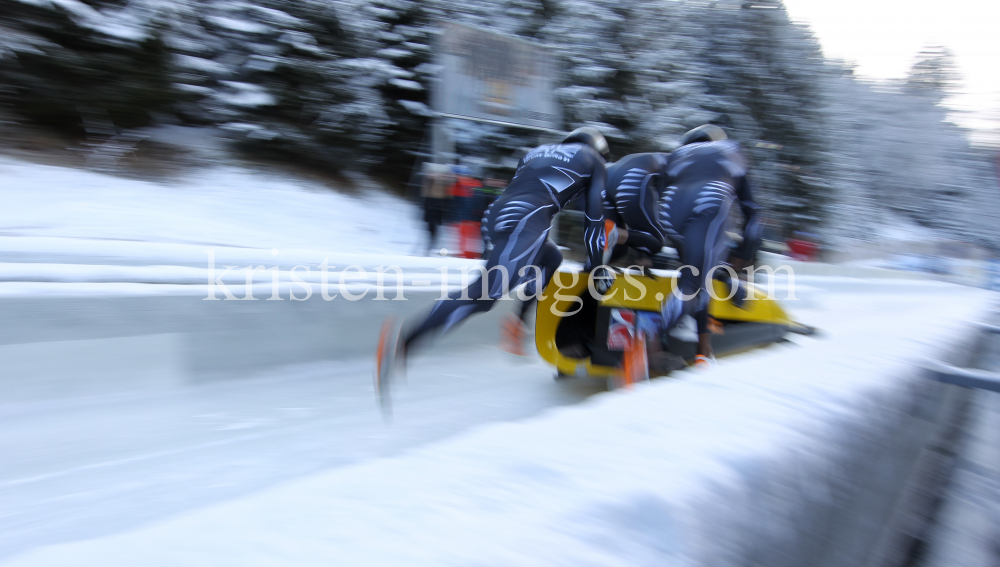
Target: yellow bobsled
583	336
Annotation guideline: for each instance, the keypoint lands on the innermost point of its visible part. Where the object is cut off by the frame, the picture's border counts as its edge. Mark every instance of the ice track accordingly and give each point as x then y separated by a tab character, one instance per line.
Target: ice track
95	468
90	467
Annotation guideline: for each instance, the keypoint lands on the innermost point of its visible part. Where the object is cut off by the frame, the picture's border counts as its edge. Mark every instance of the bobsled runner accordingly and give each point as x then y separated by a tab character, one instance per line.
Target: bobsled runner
616	337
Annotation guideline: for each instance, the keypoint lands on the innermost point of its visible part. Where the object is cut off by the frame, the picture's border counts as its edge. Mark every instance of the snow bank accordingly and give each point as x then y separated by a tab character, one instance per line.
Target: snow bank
51	209
787	456
370	269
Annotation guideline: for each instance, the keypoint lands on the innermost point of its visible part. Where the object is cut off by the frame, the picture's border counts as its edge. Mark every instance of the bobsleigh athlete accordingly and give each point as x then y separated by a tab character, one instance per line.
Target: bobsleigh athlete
517	226
703	178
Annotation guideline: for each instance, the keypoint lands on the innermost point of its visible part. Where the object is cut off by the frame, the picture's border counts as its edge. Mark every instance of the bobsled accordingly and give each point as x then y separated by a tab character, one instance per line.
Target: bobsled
610	337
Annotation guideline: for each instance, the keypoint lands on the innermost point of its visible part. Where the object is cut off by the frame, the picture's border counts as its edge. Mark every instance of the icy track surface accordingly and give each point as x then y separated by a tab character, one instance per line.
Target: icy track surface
91	467
618	479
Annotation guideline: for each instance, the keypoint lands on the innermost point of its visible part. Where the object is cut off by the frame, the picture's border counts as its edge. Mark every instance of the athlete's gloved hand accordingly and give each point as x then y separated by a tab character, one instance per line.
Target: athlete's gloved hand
603	279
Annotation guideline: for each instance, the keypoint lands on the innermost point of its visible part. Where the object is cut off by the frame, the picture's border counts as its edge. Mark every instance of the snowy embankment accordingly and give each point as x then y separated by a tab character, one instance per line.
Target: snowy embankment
791	455
70	232
77	214
89	261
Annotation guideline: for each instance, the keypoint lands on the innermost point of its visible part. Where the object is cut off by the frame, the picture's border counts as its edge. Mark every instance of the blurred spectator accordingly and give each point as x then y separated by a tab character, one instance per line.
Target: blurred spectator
461	215
461	191
437	181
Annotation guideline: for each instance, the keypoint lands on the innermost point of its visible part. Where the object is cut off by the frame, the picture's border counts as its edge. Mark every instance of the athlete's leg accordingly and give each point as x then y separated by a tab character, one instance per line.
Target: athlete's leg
508	266
644	242
715	210
535	277
715	247
702	244
638	207
459	305
546	263
446	313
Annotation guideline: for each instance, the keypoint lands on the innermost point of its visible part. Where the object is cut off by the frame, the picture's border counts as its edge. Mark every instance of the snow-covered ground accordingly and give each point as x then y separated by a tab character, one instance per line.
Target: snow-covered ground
56	210
213	475
72	232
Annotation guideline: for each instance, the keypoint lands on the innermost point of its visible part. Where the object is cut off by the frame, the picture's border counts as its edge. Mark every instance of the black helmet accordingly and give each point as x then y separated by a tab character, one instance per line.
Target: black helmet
704	133
590	136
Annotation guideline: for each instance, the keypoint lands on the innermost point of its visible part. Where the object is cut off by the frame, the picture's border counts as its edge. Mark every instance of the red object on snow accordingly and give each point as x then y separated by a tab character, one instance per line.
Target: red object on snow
802	249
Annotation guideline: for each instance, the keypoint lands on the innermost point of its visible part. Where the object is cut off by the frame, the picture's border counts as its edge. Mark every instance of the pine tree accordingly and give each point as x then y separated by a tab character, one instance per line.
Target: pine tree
671	95
67	60
934	75
530	16
765	68
283	78
601	79
403	44
896	161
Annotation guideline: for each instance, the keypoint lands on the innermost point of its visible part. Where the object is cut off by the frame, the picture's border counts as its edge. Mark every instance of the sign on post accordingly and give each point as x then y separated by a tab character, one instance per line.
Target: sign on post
495	78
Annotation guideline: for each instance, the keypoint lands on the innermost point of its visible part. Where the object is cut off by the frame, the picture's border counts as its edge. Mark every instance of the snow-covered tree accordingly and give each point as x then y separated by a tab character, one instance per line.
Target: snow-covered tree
934	74
763	71
65	63
281	77
895	160
403	35
345	84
